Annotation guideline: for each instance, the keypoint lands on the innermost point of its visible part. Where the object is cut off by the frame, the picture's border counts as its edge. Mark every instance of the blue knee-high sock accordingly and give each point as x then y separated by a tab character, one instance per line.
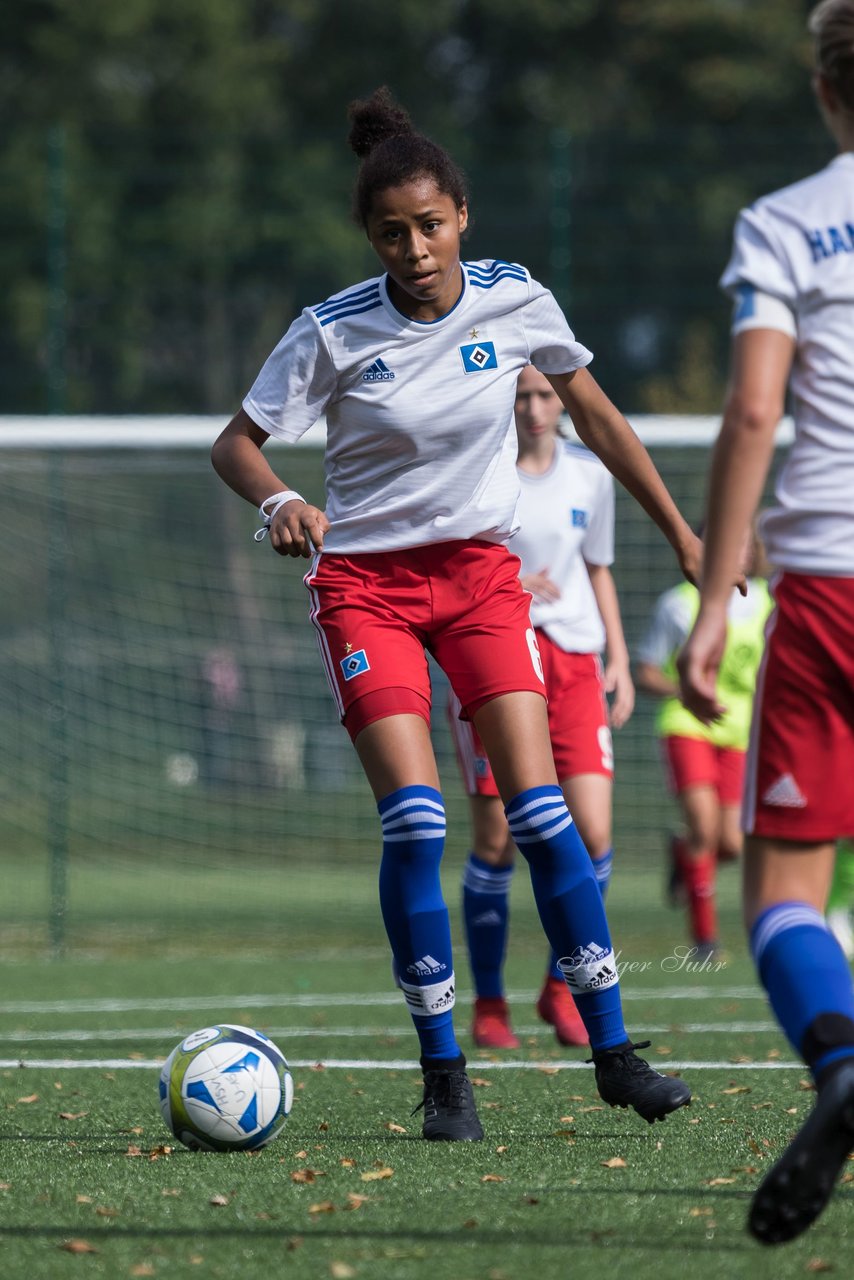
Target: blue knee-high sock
415	915
602	872
486	910
571	909
804	970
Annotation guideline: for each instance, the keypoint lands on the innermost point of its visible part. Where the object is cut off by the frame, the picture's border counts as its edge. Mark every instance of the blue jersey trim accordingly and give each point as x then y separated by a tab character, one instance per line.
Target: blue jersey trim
371	305
352	295
439	319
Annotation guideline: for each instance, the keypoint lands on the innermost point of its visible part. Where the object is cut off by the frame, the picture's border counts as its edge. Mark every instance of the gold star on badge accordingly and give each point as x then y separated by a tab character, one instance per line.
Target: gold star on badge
348	648
473	334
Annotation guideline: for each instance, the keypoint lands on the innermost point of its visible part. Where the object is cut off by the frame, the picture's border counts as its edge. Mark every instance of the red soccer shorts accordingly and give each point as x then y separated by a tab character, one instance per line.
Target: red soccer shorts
800	764
694	762
377	613
578	722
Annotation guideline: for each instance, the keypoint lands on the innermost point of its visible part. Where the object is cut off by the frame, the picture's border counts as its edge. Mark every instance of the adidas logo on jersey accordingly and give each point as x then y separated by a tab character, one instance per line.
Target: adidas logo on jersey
426	965
785	794
378	372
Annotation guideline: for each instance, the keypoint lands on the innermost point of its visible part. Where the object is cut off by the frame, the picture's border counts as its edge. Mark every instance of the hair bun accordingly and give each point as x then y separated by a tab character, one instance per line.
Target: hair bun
375	119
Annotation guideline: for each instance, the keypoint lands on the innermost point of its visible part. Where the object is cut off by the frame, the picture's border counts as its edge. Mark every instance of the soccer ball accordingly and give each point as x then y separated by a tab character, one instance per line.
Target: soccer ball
226	1088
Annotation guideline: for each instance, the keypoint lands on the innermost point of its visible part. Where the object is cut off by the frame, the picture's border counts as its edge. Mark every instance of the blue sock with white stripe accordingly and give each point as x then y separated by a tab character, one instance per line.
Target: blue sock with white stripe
486	910
804	970
415	914
602	871
571	909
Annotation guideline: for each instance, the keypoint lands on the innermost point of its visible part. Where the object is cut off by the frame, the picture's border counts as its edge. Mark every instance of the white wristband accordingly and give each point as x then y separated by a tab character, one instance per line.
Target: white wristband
278	500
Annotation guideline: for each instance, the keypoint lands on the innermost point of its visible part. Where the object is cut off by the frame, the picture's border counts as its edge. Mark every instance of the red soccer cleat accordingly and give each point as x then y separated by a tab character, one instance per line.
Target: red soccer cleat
557	1007
491	1028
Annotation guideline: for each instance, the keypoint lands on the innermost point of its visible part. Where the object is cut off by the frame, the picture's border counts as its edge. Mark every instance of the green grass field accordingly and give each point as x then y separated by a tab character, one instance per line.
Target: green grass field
560	1187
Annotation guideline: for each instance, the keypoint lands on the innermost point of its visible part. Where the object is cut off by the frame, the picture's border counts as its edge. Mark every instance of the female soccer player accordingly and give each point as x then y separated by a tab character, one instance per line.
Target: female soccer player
565	545
416	372
705	763
792	275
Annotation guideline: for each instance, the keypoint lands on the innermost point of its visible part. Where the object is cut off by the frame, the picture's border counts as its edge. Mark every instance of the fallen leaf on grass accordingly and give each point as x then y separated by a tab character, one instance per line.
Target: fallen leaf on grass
323	1126
492	1177
737	1088
143	1269
355	1201
133	1150
83	1199
347	1163
374	1175
395	1128
156	1152
548	1071
323	1206
500	1150
78	1246
31	1097
196	1259
5	1186
341	1270
567	1119
806	1086
480	1083
170	1191
307	1175
104	1211
616	1162
700	1213
719	1182
819	1264
72	1115
470	1223
586	1109
300	1155
219	1201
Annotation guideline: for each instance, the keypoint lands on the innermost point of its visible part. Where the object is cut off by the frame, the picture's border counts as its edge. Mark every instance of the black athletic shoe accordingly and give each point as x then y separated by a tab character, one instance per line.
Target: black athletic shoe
625	1080
796	1190
449	1111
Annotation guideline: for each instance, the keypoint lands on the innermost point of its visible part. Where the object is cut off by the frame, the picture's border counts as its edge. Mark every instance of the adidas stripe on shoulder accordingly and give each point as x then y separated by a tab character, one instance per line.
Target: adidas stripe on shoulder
490	272
352	302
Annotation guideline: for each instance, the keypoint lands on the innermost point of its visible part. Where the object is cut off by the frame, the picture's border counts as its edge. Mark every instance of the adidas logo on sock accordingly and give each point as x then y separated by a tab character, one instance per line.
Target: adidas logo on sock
487	917
378	372
426	965
785	794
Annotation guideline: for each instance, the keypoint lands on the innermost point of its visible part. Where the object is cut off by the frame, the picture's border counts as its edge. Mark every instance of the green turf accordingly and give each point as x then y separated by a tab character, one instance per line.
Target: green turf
676	1207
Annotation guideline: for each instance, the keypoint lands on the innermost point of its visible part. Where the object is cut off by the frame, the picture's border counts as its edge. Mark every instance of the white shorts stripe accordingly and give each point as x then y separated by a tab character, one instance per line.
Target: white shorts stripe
326	656
751	766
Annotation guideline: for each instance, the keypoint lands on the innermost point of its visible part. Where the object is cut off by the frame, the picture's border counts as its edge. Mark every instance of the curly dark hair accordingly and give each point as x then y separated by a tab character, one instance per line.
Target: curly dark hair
832	26
392	152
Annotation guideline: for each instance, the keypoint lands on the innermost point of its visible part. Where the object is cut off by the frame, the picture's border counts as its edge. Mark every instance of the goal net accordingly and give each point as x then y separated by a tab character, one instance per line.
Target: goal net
171	763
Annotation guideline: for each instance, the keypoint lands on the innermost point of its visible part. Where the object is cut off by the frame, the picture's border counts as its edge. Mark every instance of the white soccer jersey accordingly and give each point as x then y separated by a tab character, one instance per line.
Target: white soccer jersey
421	440
792	269
567	522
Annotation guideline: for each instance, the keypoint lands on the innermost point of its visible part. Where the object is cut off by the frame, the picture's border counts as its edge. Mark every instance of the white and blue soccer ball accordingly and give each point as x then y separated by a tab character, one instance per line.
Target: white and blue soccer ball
226	1088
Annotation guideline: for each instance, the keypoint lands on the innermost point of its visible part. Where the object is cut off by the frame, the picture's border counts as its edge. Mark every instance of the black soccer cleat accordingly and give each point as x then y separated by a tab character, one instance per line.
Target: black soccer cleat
625	1080
449	1111
793	1194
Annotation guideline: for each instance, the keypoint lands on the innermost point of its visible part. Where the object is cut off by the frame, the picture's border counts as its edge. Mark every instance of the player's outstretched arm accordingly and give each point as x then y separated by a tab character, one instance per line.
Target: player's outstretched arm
603	429
296	527
761	359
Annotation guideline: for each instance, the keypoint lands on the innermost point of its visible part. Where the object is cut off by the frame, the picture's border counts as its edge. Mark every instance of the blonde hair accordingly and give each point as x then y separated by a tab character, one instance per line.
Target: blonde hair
831	24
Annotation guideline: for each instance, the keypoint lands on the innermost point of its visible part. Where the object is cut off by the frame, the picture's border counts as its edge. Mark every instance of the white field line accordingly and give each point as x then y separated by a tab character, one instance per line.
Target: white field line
82	1035
371	1064
328	1001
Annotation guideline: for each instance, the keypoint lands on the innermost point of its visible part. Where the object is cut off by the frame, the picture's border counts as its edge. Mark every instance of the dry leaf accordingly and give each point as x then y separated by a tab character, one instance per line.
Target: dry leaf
719	1182
470	1223
325	1206
143	1269
738	1088
170	1191
78	1246
31	1097
103	1211
347	1163
341	1270
567	1119
307	1175
663	1050
700	1213
807	1086
72	1115
616	1162
219	1201
83	1199
492	1177
323	1126
548	1071
196	1259
500	1150
300	1155
355	1201
819	1264
480	1083
133	1150
374	1175
156	1152
586	1109
5	1186
395	1128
